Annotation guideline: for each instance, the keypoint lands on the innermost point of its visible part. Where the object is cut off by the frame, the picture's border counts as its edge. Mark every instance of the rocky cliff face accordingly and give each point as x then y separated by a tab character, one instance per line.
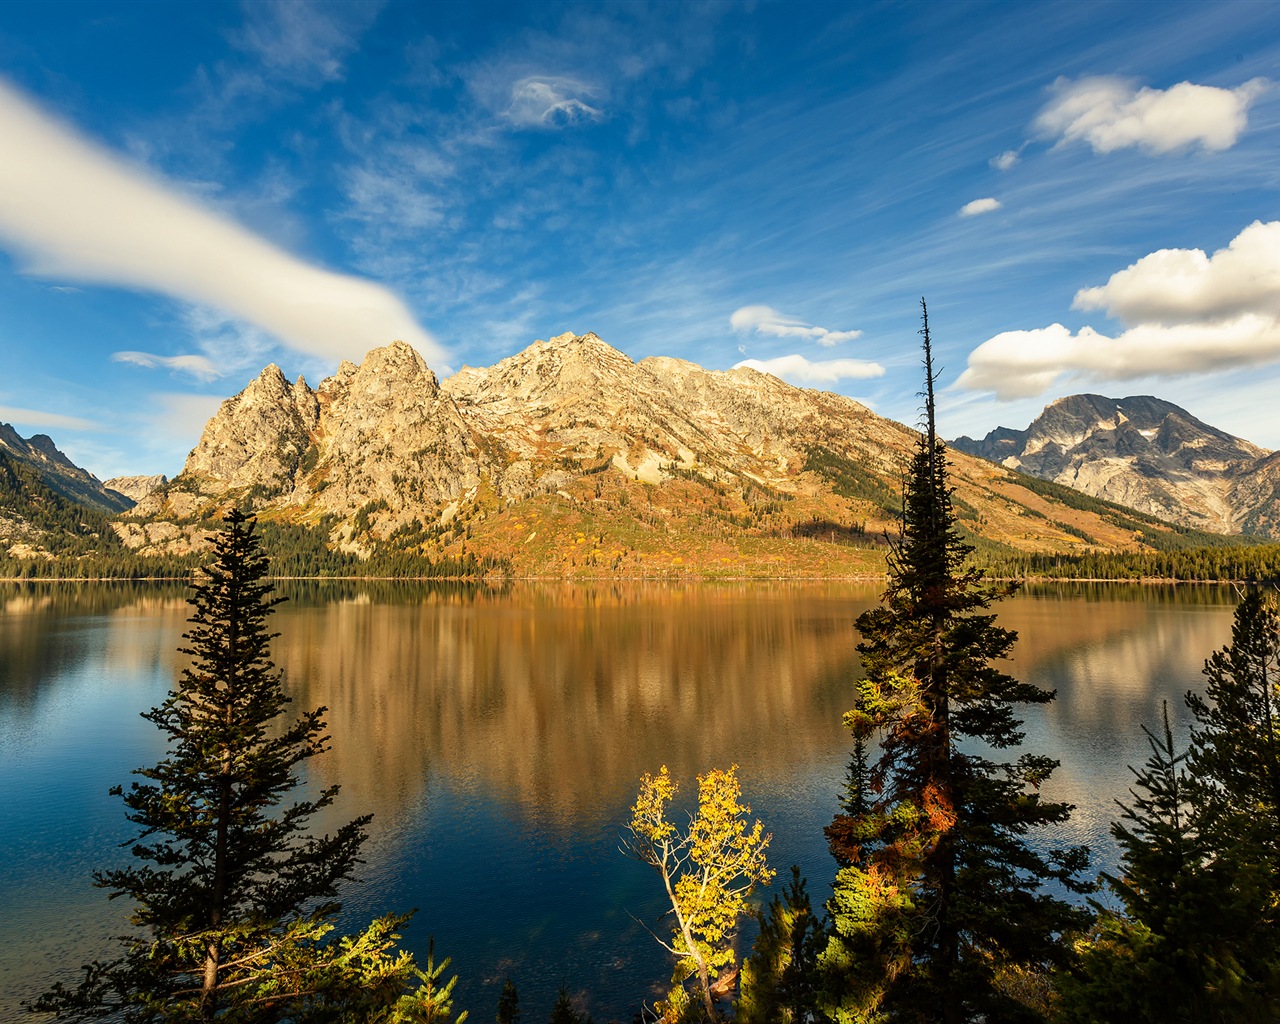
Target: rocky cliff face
378	434
135	488
569	454
1147	454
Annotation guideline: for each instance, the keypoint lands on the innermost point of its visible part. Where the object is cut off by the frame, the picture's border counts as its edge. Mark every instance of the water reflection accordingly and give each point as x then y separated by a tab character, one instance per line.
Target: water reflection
557	699
498	736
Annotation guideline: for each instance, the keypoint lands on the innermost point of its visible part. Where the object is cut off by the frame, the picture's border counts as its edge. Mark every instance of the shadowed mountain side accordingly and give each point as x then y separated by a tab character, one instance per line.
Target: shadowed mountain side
60	474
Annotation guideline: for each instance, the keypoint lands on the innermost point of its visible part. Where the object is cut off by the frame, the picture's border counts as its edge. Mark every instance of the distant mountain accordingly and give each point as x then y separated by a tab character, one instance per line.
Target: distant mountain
59	473
1149	455
568	458
49	506
135	488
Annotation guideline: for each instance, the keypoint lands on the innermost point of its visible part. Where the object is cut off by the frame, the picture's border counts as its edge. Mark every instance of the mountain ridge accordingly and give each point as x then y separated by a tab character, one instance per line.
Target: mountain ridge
1148	454
569	458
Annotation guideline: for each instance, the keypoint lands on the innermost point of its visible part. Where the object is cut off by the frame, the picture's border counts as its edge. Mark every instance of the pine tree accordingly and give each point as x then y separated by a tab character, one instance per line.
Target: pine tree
1179	950
942	886
1236	741
508	1004
563	1012
779	979
234	899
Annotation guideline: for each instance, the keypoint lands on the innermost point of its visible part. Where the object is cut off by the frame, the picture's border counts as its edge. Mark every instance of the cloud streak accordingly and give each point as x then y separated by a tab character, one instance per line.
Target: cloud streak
197	366
71	210
1112	113
796	369
36	418
765	320
1184	312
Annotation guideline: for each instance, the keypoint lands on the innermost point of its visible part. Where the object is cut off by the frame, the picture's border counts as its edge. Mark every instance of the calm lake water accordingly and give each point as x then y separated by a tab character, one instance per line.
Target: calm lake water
498	738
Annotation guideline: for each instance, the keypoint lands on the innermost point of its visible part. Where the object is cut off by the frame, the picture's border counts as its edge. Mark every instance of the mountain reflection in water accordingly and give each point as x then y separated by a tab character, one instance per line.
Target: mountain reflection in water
498	737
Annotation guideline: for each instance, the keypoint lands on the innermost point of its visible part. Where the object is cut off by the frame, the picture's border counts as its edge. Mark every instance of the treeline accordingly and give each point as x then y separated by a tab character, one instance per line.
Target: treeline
1258	563
295	551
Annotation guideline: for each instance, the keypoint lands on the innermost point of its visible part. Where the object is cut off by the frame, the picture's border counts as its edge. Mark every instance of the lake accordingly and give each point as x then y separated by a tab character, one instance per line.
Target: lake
498	738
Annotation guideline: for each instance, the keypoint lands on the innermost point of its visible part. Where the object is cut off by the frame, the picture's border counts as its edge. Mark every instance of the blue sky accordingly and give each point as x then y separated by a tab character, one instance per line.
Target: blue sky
1085	193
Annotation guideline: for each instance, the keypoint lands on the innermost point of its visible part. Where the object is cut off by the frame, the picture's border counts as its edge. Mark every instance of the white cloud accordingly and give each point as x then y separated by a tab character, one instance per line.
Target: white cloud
39	420
1184	312
74	211
1112	113
197	366
552	102
1006	160
1175	285
796	369
769	322
977	206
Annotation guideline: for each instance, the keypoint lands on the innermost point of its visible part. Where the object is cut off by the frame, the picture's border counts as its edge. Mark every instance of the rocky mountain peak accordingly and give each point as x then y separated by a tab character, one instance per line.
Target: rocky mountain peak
1139	451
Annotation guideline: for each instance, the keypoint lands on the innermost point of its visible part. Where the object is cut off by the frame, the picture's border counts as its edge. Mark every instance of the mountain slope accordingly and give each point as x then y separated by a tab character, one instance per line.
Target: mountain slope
1147	454
60	474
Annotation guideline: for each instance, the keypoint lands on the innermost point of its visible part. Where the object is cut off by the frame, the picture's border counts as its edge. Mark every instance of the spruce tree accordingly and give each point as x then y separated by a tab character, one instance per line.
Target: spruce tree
779	978
508	1004
1235	755
1185	945
234	899
943	892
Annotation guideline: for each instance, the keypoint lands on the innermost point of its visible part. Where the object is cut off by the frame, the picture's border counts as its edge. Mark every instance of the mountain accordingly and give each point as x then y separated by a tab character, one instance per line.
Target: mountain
49	506
1149	455
59	474
135	488
568	458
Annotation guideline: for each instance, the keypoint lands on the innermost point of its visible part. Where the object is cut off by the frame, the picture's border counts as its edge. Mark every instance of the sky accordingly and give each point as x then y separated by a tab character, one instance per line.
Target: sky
1086	195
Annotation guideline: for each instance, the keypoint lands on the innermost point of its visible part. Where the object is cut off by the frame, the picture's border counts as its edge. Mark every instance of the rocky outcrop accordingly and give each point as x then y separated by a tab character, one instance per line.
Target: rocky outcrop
59	473
1147	454
379	434
135	488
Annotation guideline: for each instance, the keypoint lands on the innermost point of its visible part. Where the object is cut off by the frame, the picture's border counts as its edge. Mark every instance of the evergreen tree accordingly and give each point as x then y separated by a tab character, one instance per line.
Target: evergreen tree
562	1011
779	979
1235	756
509	1004
942	887
432	1001
1178	952
234	900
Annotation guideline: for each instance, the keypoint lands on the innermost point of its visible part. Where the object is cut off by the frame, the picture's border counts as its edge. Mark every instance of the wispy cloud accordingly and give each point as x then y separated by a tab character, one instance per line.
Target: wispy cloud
796	369
197	366
39	420
769	322
1006	160
977	206
1112	113
552	101
303	42
1184	312
75	211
